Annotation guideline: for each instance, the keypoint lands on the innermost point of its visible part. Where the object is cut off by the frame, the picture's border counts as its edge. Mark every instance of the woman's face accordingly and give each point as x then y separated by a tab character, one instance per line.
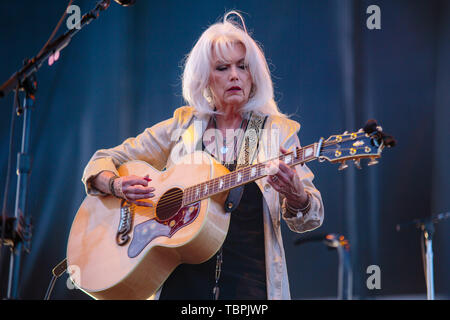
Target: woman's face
230	81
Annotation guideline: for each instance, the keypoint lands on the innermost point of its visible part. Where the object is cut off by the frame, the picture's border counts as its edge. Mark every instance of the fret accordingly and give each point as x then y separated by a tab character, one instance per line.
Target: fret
216	185
299	154
253	172
233	179
288	158
185	196
189	195
213	186
197	191
261	171
229	181
309	151
239	177
245	174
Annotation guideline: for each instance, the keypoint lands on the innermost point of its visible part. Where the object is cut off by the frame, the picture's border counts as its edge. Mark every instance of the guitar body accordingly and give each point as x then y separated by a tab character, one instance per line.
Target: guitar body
118	251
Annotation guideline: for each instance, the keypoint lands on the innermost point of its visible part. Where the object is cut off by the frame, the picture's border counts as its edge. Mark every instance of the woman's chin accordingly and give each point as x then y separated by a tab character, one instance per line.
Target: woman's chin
236	101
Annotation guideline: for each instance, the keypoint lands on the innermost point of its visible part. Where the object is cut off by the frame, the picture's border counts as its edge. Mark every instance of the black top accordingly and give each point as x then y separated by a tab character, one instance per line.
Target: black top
243	274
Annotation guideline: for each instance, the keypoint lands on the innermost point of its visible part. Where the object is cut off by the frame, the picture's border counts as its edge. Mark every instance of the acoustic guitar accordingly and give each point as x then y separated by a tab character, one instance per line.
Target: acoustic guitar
117	250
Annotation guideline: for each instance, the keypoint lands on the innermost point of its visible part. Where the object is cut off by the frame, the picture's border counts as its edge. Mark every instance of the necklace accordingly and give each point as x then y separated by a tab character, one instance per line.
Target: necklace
224	149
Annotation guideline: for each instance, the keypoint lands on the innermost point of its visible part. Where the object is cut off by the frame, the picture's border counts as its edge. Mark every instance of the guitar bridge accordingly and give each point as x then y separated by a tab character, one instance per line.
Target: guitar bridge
126	211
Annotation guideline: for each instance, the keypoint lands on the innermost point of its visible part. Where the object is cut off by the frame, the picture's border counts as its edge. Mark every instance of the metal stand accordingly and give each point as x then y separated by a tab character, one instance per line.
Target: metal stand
427	237
22	221
345	275
427	227
25	80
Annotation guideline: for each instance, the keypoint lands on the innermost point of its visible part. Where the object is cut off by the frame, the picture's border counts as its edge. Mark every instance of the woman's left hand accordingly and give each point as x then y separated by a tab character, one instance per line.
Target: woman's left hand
287	182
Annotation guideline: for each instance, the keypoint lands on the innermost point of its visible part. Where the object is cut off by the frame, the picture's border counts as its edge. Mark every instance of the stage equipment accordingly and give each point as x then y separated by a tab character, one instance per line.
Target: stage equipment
57	272
426	225
19	236
345	275
125	3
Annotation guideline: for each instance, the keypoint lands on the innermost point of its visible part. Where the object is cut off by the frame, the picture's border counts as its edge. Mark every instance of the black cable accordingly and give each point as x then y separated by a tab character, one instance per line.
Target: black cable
56	29
50	288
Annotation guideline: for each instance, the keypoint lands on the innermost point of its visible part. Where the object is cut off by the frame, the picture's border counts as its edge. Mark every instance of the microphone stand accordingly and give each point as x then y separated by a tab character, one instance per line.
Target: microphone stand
345	270
345	276
25	80
426	225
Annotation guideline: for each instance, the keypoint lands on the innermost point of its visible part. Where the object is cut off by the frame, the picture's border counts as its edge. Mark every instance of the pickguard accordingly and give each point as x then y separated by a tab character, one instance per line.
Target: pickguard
146	231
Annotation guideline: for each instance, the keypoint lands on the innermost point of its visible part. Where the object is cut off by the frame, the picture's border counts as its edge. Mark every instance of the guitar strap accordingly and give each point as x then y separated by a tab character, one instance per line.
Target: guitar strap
247	152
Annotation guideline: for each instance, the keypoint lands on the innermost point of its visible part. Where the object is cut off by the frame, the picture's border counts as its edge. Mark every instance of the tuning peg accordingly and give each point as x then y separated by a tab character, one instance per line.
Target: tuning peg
372	162
343	166
357	163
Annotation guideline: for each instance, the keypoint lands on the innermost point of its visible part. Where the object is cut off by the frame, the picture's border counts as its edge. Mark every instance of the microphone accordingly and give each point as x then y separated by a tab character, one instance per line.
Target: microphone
313	238
125	3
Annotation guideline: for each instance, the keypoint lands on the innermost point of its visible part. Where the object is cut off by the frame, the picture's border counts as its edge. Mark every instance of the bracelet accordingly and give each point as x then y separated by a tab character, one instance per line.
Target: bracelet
303	210
111	185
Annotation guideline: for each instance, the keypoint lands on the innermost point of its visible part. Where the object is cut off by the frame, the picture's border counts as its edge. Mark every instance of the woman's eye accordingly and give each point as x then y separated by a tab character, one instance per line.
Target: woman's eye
221	68
243	66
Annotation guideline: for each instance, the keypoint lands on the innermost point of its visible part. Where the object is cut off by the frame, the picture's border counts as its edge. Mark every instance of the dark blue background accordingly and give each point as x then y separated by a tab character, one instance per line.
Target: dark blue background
121	74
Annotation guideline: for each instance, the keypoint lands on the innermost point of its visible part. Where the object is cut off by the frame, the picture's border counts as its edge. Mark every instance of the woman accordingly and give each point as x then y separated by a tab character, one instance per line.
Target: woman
226	81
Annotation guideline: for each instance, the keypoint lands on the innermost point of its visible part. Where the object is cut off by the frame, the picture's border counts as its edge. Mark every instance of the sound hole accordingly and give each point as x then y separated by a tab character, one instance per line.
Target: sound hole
169	204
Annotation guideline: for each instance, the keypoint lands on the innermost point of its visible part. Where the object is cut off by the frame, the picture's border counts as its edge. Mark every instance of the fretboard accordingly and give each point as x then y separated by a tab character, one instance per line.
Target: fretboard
245	175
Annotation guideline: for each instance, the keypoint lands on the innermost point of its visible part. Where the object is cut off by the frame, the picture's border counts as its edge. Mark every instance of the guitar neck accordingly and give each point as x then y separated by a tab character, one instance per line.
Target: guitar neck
246	175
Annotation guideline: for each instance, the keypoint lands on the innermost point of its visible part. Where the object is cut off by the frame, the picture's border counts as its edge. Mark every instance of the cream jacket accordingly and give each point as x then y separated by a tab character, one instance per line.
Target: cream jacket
180	134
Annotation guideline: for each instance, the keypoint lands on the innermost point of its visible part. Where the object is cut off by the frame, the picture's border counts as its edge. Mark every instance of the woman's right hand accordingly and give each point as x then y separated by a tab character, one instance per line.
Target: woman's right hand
134	188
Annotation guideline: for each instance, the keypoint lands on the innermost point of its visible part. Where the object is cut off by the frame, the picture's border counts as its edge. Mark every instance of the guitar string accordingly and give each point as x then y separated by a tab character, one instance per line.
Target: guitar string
188	194
170	205
232	175
246	170
211	185
228	178
336	142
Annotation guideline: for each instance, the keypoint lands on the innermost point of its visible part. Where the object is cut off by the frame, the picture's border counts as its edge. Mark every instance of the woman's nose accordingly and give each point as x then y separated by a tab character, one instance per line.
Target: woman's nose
233	73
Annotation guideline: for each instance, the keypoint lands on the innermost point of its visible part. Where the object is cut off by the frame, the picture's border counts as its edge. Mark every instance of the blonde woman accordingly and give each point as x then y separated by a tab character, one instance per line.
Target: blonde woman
226	81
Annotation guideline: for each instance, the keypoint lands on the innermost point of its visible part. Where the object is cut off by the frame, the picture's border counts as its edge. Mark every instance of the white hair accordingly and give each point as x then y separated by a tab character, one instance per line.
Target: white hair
220	37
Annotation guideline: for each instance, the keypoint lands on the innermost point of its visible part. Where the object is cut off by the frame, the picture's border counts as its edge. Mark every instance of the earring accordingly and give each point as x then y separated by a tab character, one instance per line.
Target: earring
208	94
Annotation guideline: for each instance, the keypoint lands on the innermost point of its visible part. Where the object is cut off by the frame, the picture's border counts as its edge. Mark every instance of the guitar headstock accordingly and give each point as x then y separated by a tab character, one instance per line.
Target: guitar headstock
367	143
